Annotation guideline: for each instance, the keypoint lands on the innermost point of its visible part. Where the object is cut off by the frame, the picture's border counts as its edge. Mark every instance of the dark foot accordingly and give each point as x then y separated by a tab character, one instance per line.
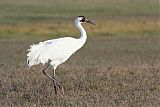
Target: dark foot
55	88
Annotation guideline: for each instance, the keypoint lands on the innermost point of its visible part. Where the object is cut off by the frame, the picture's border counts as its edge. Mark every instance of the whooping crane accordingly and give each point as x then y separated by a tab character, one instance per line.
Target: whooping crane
56	51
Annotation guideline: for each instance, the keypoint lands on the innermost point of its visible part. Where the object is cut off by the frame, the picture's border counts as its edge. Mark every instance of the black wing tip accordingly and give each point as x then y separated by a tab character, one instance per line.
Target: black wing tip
27	62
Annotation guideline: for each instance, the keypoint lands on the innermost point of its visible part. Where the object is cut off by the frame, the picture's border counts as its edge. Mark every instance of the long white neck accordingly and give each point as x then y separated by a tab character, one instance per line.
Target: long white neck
83	34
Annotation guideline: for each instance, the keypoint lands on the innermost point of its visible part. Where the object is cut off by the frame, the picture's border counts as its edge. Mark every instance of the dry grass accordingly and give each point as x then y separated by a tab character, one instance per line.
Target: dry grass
107	26
107	71
118	67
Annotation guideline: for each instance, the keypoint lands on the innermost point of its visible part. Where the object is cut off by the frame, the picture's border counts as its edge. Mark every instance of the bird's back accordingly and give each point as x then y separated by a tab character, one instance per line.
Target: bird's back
56	50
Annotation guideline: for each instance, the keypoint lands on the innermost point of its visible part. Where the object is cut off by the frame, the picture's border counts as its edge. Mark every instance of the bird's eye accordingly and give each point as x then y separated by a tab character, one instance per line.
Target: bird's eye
83	19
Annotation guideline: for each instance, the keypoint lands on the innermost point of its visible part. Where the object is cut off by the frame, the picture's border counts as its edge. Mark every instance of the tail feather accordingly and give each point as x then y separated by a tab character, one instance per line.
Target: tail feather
34	55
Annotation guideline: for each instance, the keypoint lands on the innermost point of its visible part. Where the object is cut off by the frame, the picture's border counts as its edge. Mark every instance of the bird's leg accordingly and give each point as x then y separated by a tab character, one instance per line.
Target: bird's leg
60	86
44	72
54	75
55	88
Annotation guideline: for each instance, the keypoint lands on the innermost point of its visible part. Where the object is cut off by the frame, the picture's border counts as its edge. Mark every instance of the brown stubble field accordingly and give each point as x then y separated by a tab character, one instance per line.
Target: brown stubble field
107	71
119	66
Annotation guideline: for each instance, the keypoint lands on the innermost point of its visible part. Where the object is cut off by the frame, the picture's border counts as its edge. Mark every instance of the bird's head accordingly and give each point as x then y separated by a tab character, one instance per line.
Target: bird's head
82	19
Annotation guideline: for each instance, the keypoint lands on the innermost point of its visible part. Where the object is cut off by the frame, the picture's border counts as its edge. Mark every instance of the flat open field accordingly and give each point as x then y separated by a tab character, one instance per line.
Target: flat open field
107	71
119	66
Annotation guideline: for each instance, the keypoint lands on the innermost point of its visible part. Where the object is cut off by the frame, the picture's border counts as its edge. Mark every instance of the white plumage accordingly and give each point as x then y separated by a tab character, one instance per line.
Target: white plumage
57	51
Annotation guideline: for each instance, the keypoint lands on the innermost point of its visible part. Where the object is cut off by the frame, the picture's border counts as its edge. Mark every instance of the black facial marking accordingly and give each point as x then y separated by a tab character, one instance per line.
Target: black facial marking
83	19
80	16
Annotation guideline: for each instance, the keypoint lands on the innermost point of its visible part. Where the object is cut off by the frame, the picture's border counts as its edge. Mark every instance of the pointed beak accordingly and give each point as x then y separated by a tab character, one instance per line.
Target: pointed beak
88	21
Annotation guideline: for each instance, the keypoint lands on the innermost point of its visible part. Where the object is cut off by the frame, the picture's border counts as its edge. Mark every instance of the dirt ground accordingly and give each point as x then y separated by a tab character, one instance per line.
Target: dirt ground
108	71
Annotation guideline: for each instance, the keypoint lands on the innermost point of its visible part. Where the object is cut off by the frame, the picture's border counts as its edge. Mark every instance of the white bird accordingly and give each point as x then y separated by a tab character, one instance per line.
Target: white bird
56	51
